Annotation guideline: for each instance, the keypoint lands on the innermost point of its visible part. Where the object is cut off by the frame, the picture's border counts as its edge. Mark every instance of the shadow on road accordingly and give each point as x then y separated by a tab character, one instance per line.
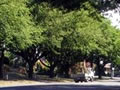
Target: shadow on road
63	87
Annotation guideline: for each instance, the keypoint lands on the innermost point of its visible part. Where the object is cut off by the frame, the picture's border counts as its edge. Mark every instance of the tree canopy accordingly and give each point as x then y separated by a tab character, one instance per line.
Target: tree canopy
16	26
62	31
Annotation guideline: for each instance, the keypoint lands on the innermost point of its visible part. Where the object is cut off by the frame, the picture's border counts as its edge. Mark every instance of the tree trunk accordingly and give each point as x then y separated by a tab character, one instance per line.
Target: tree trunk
1	64
66	70
30	71
91	63
1	68
51	71
99	70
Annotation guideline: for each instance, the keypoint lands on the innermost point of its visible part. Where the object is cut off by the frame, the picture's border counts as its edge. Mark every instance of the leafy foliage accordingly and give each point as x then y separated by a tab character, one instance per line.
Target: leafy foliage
65	32
16	26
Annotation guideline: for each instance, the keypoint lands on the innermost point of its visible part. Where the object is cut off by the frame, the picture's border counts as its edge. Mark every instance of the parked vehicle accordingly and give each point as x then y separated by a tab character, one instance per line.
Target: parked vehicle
88	76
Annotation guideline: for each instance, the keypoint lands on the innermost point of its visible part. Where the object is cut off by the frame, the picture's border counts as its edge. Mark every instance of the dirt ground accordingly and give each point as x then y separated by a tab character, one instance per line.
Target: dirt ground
17	79
18	83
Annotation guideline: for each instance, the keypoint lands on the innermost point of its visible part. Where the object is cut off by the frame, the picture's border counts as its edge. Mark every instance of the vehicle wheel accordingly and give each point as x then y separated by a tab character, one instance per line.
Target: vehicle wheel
81	81
91	79
87	79
76	81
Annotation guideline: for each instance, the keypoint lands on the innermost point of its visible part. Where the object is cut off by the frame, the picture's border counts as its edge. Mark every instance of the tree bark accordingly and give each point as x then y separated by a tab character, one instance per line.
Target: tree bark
66	72
1	69
1	64
30	71
99	70
51	71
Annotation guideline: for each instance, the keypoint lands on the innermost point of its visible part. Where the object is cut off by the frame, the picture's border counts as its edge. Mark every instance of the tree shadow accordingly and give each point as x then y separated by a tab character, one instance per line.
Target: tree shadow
67	4
63	87
14	75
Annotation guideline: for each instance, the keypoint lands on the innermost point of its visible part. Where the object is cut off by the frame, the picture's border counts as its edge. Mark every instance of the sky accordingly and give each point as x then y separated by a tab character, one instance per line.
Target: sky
114	17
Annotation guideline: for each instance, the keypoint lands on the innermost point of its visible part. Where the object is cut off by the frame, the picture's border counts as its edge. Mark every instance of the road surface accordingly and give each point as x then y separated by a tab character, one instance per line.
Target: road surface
96	85
62	87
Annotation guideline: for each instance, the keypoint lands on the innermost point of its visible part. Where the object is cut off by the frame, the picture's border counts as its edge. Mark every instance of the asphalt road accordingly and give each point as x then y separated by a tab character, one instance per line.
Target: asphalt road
63	87
113	84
